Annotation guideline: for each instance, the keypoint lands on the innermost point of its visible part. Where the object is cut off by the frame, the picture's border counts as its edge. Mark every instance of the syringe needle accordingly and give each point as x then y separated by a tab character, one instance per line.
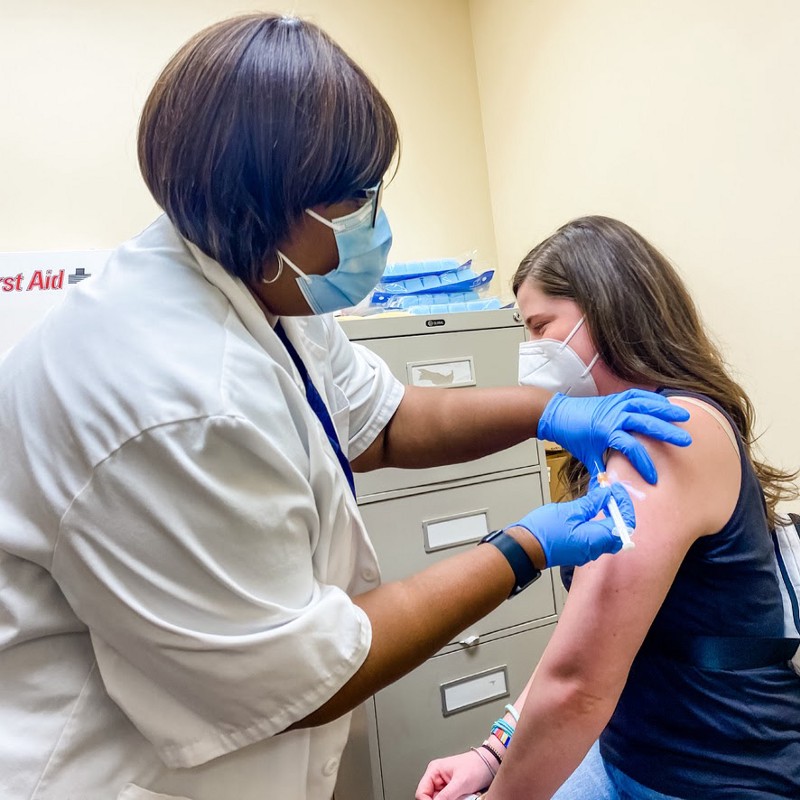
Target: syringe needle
616	515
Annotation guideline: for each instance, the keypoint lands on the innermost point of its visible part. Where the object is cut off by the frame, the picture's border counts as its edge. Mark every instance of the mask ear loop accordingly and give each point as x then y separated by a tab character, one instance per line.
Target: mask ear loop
569	338
571	334
319	218
282	259
591	364
341	224
268	281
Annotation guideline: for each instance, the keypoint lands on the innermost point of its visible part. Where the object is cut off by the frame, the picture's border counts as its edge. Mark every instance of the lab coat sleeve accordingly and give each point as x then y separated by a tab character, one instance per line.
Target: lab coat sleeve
190	556
372	392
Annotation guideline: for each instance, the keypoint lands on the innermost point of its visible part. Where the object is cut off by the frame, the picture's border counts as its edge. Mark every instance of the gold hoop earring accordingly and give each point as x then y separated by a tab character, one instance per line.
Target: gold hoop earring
268	281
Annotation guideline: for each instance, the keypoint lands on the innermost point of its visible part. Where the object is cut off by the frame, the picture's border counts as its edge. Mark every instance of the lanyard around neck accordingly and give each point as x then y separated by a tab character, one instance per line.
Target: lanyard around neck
318	406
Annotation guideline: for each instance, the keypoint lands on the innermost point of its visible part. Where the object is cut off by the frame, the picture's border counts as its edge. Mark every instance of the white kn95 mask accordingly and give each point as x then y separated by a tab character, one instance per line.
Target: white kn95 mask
555	366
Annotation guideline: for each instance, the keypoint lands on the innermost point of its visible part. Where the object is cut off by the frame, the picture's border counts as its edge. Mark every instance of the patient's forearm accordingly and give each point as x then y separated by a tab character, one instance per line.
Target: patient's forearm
562	719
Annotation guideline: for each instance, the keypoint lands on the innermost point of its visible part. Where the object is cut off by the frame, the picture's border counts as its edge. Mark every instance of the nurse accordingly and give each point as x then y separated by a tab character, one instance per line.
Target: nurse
190	602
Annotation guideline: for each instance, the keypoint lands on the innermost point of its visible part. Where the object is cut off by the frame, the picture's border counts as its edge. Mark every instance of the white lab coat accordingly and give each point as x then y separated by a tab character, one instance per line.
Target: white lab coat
178	542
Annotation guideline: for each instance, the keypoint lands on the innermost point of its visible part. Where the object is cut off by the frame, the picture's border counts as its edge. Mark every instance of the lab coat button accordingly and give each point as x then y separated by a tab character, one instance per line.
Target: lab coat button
369	574
331	765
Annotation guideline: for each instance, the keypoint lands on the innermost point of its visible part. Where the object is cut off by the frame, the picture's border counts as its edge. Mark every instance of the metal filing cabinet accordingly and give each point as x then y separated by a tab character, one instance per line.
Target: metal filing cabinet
418	517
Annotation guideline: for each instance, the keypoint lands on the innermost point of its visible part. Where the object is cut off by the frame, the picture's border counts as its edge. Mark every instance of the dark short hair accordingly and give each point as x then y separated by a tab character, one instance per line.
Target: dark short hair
253	120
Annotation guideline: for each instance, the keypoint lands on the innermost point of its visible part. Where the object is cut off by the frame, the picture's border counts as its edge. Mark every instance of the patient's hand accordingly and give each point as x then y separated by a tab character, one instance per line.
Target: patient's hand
454	777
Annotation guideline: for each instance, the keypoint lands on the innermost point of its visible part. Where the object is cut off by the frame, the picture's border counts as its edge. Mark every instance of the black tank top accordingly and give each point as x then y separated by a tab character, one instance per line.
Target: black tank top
712	734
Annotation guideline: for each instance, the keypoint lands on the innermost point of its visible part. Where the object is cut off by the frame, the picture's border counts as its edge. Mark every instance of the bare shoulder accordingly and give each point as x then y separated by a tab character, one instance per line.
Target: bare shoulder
704	477
707	423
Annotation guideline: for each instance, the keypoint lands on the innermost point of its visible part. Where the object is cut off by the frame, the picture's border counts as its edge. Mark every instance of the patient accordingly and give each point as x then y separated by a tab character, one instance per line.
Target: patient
638	695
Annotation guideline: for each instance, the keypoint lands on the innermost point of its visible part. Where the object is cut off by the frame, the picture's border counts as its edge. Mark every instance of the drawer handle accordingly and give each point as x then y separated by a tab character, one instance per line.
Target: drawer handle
470	641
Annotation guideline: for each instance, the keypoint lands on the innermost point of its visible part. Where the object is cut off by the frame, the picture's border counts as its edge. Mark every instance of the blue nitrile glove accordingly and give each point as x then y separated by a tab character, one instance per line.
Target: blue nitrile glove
588	426
568	533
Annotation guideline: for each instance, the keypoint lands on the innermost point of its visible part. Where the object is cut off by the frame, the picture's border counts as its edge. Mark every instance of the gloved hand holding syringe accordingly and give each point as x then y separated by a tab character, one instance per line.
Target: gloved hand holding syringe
621	529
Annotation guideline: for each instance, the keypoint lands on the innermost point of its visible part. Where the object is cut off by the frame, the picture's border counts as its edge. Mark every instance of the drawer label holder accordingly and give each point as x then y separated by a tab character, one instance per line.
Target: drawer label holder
474	690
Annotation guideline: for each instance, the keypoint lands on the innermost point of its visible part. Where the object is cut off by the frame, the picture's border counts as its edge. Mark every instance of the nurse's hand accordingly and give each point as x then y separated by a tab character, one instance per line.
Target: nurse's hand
568	532
588	426
454	777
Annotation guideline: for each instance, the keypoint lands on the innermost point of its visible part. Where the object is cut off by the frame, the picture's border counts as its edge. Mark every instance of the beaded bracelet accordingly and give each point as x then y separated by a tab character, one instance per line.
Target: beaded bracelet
487	746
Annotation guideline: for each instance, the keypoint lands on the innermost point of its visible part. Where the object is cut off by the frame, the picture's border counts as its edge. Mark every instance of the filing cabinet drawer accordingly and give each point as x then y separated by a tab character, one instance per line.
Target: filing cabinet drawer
418	517
484	358
441	708
413	531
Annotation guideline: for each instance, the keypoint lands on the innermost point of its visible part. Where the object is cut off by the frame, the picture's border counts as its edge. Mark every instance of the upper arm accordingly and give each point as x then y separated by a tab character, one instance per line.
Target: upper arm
372	392
613	601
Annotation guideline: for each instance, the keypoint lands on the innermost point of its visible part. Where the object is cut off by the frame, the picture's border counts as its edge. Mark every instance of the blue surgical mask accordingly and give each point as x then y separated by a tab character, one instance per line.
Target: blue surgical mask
363	239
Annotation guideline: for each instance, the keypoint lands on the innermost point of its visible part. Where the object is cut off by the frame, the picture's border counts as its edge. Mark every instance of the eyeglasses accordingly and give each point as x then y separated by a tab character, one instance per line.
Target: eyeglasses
372	195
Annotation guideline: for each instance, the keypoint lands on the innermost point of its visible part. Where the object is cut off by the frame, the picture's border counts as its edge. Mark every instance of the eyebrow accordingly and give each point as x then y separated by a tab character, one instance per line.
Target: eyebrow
534	318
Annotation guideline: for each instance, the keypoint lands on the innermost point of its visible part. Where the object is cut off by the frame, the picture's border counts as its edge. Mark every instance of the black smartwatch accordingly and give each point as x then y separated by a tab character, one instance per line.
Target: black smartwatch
525	572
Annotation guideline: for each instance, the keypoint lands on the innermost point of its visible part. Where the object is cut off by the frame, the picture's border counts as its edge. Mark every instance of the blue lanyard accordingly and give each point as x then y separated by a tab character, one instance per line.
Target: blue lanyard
318	406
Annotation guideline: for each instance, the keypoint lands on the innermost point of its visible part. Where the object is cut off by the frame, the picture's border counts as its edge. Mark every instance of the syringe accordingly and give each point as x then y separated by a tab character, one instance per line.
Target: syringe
623	531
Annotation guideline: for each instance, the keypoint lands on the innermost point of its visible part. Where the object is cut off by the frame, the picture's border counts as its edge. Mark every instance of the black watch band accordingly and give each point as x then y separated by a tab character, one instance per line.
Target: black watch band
525	572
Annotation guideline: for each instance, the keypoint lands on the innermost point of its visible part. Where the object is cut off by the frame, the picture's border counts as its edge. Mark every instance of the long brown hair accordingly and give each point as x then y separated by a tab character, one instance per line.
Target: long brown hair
644	325
253	120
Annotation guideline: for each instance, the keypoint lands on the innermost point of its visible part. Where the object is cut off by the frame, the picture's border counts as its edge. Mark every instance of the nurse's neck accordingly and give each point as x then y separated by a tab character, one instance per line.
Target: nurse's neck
271	317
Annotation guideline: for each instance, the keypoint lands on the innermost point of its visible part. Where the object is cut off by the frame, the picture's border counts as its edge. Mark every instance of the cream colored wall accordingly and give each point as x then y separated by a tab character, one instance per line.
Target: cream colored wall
75	75
679	118
676	117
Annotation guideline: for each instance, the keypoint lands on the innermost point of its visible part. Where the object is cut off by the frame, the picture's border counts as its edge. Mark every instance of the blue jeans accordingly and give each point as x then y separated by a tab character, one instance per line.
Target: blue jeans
595	779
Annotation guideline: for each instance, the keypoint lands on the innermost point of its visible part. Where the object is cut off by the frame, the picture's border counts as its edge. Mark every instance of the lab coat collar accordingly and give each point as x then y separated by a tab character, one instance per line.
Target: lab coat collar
259	322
